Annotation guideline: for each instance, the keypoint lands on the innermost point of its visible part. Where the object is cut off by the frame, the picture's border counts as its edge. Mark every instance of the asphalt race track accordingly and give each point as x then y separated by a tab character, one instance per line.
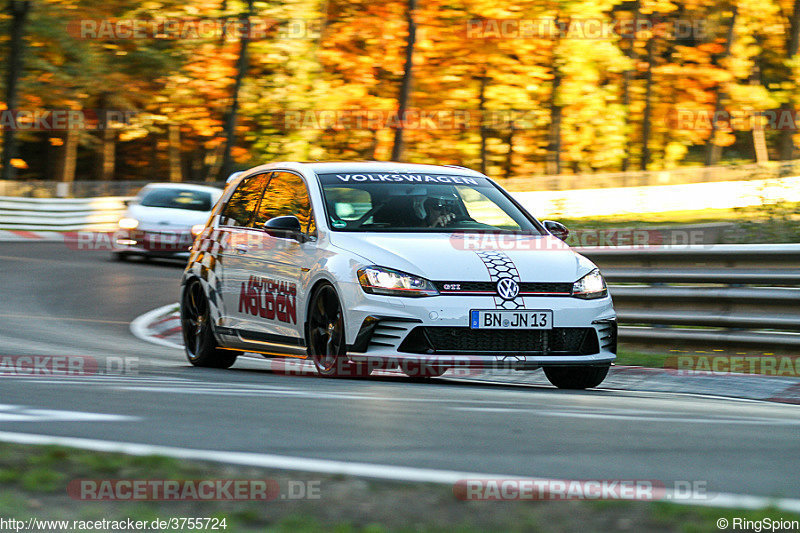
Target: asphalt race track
56	301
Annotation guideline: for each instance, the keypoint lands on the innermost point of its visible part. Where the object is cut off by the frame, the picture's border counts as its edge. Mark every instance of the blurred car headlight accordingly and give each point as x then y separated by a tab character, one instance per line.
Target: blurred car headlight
377	280
128	223
590	286
197	229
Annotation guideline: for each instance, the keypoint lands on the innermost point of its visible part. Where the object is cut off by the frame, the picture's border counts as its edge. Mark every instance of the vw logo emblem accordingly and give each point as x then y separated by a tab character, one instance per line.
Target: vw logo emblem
507	288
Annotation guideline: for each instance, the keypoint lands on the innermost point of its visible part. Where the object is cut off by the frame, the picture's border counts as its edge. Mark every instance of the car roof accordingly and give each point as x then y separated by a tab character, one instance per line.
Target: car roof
184	186
368	166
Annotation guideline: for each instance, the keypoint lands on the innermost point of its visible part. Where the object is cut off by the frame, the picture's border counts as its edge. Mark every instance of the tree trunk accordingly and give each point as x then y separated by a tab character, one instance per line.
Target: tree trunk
241	70
648	111
69	161
108	149
627	80
215	164
509	166
19	14
373	146
174	151
554	141
405	86
482	118
155	169
713	150
626	103
759	139
786	144
554	144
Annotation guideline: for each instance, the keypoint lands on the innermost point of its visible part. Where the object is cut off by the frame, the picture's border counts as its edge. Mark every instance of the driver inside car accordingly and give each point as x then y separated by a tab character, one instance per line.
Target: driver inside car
437	213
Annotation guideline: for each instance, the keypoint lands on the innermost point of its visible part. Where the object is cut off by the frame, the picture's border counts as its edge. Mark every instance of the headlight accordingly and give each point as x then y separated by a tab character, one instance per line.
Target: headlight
377	280
128	223
590	286
197	229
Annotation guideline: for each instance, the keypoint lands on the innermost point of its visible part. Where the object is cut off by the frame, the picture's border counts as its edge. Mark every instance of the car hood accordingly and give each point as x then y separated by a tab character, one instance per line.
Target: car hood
445	257
165	217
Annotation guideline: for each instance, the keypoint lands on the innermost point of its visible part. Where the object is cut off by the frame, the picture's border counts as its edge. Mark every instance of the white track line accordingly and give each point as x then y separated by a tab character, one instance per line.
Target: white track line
139	327
378	471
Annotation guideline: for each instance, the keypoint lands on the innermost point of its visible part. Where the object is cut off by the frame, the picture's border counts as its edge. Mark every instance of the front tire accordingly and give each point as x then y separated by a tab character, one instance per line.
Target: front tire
576	377
326	336
198	338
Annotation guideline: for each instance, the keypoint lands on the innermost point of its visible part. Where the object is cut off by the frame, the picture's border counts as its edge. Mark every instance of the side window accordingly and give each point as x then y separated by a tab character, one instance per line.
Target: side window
286	195
243	201
347	203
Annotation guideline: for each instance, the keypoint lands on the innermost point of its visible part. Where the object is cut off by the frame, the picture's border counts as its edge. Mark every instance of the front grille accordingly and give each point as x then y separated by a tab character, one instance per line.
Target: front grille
559	288
466	286
531	287
430	339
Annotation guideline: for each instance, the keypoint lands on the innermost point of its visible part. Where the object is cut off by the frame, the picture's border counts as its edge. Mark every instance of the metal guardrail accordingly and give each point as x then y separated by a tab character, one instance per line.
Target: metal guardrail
78	189
61	214
746	296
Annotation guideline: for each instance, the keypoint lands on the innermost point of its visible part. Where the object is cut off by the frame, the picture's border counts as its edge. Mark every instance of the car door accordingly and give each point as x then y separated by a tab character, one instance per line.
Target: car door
235	236
277	262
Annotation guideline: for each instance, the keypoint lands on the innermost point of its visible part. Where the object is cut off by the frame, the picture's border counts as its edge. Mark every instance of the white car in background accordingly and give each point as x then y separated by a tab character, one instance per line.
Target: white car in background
363	266
159	221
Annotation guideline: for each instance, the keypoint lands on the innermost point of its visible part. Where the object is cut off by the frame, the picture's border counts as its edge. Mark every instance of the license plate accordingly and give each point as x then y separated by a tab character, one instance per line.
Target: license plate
522	319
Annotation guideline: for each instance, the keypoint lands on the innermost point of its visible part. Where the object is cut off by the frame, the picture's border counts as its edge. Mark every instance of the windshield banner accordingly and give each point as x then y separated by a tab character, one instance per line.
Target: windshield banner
403	178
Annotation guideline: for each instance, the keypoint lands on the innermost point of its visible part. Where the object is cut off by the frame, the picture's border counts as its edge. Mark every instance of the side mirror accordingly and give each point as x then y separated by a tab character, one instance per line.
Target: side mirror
557	229
285	227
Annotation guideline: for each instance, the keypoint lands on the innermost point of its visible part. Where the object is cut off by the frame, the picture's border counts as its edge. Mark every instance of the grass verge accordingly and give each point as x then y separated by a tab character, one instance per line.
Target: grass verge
33	481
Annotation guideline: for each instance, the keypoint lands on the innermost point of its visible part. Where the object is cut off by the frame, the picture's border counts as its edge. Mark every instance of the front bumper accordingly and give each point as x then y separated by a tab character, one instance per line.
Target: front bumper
435	331
156	243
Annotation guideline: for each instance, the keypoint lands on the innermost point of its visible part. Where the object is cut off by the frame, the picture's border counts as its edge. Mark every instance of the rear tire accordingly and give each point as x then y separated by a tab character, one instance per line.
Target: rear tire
198	337
576	377
119	256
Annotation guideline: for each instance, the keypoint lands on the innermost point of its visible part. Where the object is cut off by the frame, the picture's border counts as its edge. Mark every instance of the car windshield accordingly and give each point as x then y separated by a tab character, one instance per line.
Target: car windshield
177	199
378	202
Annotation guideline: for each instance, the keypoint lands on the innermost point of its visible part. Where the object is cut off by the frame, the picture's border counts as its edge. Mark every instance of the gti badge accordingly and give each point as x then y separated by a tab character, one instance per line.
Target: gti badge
507	288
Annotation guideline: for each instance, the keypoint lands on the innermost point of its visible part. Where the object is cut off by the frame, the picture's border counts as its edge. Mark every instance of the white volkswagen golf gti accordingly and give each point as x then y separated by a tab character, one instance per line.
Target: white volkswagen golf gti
364	266
161	221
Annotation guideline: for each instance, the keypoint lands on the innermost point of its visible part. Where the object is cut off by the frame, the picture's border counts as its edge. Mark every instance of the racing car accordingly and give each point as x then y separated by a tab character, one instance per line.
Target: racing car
358	266
162	220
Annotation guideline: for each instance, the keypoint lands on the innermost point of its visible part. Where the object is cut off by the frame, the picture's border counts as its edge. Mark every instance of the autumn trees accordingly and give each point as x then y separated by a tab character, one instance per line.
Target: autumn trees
19	15
540	86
